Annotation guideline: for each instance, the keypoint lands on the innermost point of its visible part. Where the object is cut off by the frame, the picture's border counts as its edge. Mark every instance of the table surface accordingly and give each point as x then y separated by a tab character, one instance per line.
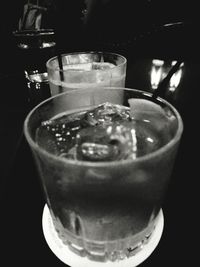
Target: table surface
22	200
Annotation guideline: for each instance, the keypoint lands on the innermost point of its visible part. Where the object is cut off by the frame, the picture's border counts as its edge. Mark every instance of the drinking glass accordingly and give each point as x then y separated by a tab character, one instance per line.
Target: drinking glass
35	48
35	39
105	156
86	69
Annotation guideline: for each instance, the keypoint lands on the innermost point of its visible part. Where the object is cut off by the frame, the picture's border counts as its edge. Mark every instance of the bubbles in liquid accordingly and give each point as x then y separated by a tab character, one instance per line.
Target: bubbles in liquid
108	132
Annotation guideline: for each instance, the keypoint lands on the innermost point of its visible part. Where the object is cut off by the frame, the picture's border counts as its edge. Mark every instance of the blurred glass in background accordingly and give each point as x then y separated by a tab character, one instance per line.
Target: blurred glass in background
36	43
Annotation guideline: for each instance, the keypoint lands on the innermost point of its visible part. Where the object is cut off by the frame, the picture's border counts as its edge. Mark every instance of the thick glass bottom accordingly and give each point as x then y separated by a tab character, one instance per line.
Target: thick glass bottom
67	256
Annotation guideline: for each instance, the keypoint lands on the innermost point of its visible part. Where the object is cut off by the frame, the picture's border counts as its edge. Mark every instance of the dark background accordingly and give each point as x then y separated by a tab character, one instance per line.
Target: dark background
111	24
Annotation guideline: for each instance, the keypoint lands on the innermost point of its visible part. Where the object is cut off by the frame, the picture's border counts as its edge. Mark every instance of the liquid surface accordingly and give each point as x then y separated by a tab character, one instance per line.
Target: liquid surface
107	132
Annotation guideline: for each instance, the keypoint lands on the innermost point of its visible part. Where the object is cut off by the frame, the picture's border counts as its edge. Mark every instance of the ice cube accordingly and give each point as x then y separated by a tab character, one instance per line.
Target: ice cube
78	67
57	135
106	113
149	138
157	123
108	143
102	65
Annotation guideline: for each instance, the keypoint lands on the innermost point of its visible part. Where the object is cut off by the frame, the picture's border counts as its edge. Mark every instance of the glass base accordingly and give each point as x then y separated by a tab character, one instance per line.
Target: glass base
74	260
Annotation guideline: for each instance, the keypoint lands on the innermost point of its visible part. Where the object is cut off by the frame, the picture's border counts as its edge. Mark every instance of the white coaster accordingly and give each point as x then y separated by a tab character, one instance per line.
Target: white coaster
74	260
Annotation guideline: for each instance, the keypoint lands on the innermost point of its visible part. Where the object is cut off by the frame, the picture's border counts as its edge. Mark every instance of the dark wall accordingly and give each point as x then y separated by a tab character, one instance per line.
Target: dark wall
105	23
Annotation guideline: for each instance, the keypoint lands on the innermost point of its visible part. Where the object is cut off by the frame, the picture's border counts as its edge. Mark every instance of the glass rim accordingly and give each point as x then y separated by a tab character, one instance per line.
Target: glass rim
145	157
85	52
33	32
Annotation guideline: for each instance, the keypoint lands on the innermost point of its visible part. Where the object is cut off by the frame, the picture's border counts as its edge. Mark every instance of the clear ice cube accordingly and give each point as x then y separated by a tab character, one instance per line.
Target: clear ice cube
105	114
58	135
79	67
102	65
107	143
89	66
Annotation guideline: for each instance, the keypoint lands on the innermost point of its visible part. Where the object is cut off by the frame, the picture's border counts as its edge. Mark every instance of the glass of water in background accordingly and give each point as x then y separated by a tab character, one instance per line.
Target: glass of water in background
105	158
86	69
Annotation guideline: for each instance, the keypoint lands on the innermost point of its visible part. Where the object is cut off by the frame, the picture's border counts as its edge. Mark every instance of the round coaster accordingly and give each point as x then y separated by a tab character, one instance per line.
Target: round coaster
74	260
